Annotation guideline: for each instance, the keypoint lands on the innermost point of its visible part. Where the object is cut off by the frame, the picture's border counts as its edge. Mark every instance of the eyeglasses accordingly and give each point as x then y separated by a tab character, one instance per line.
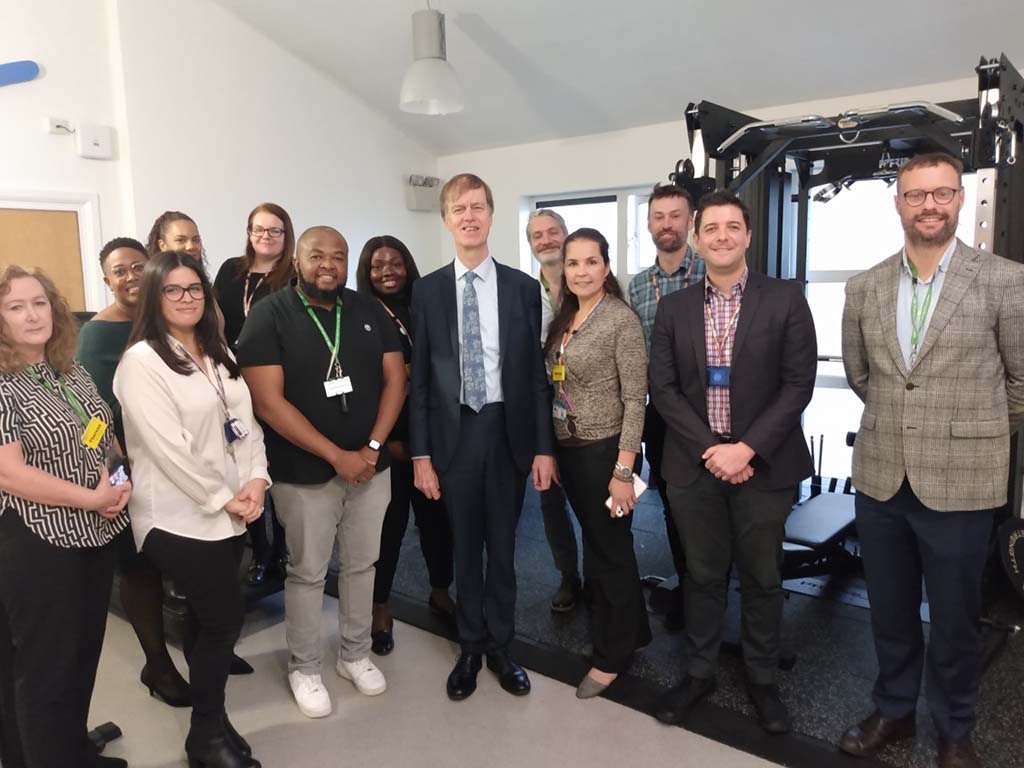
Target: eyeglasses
271	232
137	268
941	195
177	292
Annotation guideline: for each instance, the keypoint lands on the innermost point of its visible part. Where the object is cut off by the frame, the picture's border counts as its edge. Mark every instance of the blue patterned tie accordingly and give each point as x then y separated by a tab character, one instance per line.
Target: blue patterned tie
474	384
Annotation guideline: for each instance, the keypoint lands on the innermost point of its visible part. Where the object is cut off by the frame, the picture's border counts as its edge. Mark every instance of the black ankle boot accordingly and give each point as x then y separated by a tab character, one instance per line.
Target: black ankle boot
215	750
236	738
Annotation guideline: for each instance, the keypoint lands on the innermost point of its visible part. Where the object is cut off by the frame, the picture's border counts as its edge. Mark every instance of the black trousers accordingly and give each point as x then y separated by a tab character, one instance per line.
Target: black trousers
619	616
654	449
206	573
53	615
435	533
558	530
724	524
267	545
483	492
901	541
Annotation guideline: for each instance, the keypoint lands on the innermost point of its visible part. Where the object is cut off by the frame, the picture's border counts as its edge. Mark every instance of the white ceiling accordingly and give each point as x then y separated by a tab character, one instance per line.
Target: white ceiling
545	69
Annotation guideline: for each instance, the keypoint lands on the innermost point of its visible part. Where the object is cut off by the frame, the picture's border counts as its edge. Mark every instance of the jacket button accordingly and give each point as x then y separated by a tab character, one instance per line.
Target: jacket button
911	386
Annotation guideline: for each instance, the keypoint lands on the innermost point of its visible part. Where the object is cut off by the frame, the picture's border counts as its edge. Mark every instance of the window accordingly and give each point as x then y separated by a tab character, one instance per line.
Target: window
600	212
846	235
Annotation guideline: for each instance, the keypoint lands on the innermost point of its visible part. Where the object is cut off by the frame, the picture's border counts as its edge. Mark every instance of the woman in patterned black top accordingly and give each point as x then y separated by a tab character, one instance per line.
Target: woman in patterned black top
59	512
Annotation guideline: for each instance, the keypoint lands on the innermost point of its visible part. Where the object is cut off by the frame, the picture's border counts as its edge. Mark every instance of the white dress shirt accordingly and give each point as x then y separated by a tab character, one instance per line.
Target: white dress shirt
904	296
486	286
182	471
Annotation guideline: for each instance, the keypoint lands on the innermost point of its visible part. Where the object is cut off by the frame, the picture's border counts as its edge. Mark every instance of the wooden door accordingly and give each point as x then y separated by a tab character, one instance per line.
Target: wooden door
47	240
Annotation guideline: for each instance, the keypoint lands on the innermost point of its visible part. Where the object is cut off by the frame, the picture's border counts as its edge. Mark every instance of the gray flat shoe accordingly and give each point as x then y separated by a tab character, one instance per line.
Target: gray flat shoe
589	688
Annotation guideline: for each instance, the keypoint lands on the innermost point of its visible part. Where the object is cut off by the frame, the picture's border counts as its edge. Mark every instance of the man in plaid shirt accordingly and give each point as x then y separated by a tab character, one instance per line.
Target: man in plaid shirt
734	448
669	220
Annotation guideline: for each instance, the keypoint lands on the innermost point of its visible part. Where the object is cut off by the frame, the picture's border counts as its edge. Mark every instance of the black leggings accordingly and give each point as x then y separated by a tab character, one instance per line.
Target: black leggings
206	573
53	606
435	533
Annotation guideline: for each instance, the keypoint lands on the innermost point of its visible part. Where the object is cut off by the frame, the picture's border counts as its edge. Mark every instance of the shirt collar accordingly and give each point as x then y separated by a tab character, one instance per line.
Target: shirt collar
483	272
943	262
739	287
683	265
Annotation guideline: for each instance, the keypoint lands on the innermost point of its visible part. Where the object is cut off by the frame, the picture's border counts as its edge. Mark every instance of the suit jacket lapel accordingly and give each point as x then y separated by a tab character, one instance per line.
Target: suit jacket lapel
505	291
451	311
963	266
887	289
696	325
748	309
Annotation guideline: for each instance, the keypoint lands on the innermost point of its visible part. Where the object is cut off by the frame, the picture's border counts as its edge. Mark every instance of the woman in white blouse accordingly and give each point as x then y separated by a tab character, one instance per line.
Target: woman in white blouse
200	472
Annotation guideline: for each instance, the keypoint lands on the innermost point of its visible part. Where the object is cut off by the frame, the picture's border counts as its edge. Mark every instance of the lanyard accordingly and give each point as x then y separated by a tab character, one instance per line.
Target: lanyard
547	290
336	346
65	394
918	314
720	341
566	338
686	277
401	326
247	295
215	381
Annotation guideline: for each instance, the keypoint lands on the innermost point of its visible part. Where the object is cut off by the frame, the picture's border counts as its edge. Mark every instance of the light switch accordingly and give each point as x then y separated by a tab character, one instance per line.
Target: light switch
95	141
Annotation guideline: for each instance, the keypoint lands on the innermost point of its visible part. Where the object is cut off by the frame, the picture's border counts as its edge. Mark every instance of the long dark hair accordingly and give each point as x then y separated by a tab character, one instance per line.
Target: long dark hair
151	327
570	303
284	270
363	284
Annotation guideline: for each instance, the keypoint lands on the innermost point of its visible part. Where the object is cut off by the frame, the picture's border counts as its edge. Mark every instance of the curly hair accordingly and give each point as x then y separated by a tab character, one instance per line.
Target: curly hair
159	229
412	274
63	343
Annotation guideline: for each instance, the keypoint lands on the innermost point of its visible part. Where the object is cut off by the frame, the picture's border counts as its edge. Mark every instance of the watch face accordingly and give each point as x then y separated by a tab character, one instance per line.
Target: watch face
374	445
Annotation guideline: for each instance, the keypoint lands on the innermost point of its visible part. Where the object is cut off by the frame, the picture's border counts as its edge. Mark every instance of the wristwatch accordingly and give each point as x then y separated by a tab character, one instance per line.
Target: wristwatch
374	445
623	473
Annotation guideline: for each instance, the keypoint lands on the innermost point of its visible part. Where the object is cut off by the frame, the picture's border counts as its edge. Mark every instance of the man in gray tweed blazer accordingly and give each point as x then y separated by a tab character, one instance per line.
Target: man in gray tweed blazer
933	343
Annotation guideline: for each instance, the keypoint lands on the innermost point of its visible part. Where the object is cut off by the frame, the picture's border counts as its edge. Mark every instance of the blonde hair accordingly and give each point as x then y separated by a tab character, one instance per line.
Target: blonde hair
61	348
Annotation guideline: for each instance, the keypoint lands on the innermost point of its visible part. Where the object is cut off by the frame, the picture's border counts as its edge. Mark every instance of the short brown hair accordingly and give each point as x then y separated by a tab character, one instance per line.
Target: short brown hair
930	160
60	349
718	198
460	183
662	191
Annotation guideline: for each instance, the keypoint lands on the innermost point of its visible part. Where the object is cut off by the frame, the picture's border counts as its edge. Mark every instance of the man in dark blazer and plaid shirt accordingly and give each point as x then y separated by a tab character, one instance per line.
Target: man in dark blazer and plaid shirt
933	343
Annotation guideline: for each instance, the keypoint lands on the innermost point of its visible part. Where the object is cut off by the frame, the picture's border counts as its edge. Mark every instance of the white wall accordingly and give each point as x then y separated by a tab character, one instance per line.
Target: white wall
639	156
71	41
220	119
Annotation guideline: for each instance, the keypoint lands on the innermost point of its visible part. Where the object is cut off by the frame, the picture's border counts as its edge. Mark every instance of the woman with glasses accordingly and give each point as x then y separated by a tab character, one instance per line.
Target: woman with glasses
59	512
595	357
241	282
101	343
199	465
386	272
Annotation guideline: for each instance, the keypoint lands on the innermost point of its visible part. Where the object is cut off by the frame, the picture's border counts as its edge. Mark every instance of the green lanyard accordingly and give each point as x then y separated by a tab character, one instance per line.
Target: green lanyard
334	348
65	394
547	290
918	314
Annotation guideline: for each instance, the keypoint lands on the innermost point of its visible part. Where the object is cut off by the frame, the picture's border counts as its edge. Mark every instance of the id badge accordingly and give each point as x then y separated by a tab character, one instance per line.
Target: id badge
559	411
94	432
234	430
339	386
558	372
718	375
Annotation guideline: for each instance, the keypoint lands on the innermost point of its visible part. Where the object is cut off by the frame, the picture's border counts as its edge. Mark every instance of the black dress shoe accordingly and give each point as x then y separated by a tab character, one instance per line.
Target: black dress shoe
462	680
958	754
170	687
102	761
236	738
240	666
382	642
771	712
511	676
216	752
676	703
874	732
446	612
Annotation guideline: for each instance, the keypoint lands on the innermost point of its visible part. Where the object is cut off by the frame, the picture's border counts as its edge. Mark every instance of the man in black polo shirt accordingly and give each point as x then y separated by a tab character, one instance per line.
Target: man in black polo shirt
327	376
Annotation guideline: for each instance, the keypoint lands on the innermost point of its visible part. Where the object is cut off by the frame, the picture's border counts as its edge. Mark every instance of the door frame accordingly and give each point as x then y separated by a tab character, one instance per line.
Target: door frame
87	206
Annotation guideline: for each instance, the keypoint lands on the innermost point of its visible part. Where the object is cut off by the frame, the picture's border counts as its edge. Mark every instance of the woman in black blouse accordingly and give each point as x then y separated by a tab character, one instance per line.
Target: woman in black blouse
59	512
387	272
241	282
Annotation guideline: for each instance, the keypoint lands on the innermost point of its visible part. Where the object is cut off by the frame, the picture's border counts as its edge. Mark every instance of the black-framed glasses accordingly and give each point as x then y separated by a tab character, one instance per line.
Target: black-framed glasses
258	231
941	195
177	292
136	268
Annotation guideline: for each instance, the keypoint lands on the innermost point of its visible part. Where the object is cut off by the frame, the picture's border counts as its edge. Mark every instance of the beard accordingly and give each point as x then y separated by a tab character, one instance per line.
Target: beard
550	258
669	246
941	237
320	294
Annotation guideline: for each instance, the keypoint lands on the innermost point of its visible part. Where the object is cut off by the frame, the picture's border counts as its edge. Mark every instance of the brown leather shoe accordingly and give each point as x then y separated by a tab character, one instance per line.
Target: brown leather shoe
958	754
873	733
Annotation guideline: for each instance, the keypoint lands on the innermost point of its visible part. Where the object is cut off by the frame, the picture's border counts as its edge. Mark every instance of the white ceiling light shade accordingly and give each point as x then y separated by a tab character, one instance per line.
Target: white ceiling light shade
430	86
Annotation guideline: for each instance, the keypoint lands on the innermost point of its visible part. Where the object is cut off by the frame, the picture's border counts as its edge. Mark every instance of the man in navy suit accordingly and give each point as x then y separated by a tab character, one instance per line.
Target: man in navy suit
480	422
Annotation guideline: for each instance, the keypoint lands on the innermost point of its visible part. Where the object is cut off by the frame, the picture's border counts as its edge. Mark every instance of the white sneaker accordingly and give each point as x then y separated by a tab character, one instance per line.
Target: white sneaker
310	694
364	674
